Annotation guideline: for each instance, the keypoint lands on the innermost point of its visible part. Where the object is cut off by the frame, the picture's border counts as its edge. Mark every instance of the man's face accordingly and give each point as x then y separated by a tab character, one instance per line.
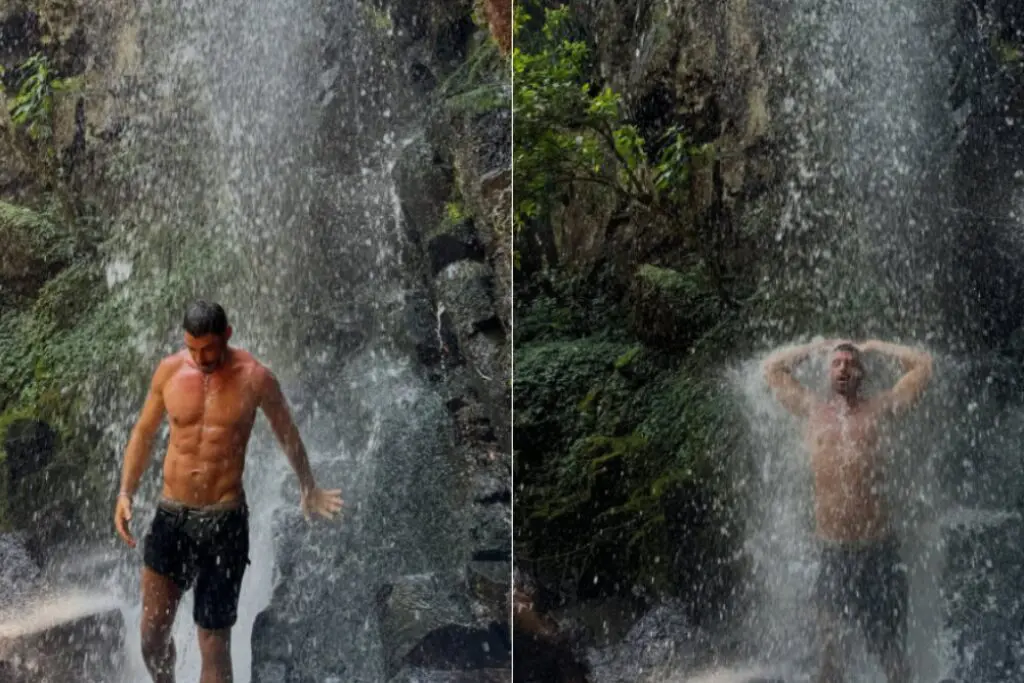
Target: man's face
845	373
207	351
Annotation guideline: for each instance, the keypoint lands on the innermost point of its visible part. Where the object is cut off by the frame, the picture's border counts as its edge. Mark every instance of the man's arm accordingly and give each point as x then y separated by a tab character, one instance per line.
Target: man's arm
778	371
917	367
140	444
313	500
275	407
140	448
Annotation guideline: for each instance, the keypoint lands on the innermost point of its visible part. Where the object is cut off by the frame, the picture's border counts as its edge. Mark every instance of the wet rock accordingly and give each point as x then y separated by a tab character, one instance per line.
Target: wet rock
492	486
69	639
423	181
453	241
491	529
417	675
19	573
489	582
30	445
19	34
982	609
427	621
428	333
661	640
486	152
270	672
465	287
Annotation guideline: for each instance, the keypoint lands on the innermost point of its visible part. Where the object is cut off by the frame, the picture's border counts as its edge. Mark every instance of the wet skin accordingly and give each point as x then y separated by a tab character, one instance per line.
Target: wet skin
210	394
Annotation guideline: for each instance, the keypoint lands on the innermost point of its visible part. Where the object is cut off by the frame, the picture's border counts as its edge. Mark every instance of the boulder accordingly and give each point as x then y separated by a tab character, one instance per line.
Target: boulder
465	288
423	182
418	675
427	622
72	638
453	241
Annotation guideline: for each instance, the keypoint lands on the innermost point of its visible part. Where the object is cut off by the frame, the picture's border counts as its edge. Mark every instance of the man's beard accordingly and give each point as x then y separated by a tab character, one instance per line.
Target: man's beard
210	368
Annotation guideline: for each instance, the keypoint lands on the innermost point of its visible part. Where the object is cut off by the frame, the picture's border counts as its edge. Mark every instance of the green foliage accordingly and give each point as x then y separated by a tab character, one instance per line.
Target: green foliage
37	233
619	463
32	99
478	85
571	306
550	381
455	212
570	129
1007	52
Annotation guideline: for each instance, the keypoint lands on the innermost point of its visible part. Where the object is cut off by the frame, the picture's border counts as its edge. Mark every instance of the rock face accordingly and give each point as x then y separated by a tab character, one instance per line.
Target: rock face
428	623
983	610
33	483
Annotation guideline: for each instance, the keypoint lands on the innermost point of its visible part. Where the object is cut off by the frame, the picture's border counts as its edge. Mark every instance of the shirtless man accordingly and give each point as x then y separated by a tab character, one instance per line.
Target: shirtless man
861	575
200	534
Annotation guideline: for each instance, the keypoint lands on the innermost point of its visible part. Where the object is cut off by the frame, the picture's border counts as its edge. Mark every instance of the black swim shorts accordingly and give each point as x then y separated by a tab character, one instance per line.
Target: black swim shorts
866	584
207	549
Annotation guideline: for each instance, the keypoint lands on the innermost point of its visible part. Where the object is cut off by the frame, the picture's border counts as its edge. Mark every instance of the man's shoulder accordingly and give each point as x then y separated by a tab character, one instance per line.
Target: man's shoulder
168	365
250	367
245	360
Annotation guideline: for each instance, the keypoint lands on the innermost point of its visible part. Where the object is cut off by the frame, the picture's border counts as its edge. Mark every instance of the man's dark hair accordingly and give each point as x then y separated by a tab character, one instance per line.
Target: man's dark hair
851	349
203	318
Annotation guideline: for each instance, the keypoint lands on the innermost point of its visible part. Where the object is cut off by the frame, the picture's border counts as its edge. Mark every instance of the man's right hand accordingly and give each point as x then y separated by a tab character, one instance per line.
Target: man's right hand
122	516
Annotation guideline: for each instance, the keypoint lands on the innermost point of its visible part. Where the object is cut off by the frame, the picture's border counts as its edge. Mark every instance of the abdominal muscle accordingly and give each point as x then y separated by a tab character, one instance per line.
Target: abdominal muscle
849	513
204	464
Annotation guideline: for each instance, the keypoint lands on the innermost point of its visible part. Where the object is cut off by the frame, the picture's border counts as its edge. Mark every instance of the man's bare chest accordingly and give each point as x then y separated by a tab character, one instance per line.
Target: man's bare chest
191	399
831	430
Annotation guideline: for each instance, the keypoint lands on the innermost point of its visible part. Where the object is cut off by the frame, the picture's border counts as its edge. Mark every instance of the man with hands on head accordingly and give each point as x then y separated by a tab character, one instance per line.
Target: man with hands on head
861	575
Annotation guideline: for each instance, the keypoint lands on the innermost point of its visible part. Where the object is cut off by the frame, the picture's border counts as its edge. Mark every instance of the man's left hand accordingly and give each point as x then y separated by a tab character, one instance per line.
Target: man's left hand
317	501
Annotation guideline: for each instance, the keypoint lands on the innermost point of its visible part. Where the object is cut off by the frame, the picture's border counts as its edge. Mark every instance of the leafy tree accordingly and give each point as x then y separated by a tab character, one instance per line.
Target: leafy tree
570	129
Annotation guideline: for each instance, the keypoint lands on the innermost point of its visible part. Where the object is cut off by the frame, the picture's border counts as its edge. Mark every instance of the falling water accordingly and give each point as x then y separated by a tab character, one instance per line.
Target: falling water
866	235
256	171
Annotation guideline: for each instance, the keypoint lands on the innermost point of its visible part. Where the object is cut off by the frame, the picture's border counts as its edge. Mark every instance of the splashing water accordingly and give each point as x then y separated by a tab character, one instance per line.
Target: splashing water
256	171
868	145
953	486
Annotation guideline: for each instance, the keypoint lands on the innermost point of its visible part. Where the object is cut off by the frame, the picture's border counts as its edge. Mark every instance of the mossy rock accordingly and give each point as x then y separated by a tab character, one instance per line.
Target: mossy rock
621	455
36	247
672	309
551	386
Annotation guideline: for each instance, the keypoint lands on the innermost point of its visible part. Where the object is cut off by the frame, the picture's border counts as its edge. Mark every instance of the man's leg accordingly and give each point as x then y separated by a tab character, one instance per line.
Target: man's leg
897	668
160	598
215	647
831	648
832	601
887	593
225	555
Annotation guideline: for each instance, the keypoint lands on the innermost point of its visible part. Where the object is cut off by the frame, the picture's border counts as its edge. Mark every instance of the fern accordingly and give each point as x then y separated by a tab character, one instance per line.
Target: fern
15	218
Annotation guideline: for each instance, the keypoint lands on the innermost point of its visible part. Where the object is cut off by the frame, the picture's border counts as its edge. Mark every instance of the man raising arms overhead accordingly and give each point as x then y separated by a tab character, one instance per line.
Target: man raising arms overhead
861	574
200	534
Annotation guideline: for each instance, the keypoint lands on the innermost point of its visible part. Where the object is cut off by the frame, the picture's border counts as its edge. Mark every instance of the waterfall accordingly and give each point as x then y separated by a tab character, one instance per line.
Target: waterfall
256	171
868	236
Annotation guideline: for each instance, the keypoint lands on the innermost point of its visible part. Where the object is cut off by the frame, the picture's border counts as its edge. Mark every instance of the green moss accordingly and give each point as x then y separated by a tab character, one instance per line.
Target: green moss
619	458
626	359
552	380
1007	52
